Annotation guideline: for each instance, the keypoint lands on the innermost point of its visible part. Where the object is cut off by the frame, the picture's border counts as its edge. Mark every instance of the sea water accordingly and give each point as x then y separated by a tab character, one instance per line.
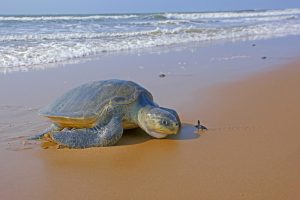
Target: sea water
29	42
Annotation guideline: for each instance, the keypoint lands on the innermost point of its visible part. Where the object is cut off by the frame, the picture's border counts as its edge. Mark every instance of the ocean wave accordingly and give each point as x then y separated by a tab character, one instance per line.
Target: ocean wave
261	19
66	17
86	35
156	16
216	15
193	20
160	22
109	36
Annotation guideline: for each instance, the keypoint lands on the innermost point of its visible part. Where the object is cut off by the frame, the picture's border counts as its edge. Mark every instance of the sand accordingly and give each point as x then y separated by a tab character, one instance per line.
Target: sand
251	150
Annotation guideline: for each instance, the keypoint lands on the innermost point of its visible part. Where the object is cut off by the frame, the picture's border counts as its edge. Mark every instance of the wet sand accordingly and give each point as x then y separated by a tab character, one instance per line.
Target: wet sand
251	150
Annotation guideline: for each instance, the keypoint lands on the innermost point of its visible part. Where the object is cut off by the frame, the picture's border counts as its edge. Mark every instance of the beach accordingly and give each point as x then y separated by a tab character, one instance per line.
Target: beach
247	95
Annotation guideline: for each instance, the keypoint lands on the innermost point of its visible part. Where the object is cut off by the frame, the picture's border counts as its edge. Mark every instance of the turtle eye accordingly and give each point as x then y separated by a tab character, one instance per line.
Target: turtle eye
164	122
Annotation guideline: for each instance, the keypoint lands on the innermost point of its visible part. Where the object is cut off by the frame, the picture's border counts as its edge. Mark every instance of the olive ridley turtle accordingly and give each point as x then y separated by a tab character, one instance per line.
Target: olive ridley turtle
95	114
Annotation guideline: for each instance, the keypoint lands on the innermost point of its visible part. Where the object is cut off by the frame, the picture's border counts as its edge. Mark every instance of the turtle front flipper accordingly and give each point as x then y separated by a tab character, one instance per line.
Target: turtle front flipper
48	130
98	136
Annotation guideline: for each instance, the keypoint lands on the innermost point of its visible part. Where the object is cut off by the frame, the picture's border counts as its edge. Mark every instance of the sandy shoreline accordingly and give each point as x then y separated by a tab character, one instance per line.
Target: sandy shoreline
251	150
255	135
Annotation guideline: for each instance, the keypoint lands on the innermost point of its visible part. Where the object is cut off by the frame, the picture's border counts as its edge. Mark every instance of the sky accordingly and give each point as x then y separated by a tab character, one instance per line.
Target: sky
136	6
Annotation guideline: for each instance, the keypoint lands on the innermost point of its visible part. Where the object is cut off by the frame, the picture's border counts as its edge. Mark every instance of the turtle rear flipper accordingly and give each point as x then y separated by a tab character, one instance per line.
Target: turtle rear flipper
48	130
91	137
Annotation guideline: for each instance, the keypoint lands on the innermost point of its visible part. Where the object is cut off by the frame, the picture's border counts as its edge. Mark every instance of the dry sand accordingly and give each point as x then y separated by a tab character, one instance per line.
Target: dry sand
251	150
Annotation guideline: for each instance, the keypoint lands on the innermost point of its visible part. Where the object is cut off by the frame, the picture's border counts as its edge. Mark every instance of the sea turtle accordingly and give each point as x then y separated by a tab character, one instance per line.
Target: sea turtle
95	114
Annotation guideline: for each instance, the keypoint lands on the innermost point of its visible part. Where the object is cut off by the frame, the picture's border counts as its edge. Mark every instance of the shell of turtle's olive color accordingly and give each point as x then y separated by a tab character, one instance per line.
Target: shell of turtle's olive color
83	106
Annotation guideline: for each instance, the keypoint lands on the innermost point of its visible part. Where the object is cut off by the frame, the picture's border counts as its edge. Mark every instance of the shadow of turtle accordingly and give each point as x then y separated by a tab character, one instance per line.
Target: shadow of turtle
137	136
133	136
187	132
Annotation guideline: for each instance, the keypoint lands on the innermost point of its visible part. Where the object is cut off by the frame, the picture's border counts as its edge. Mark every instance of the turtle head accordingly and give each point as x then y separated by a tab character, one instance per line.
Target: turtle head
159	122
